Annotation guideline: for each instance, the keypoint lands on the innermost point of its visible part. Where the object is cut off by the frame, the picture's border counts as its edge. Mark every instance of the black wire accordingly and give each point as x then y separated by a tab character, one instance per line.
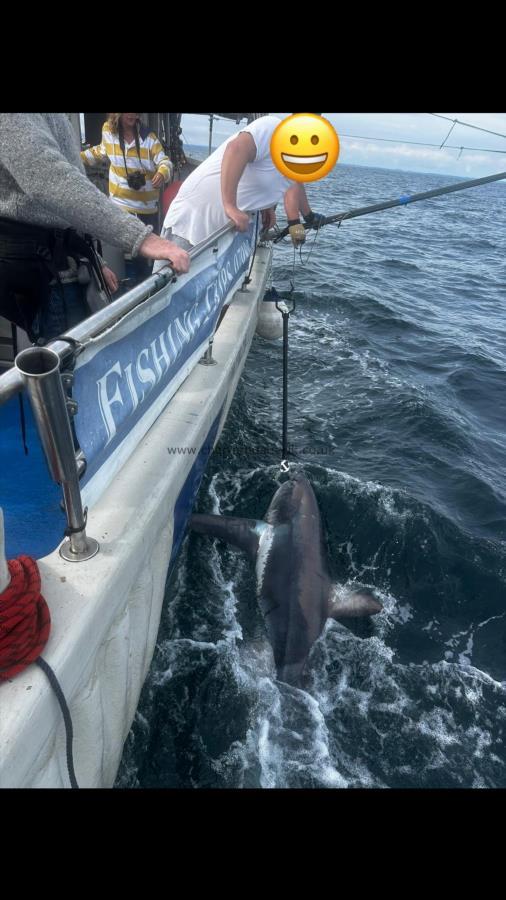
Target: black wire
305	261
248	279
361	137
69	731
467	124
284	450
22	419
448	135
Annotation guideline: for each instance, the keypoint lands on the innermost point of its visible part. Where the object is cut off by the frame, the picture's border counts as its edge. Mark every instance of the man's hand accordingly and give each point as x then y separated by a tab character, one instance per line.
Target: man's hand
154	247
110	279
157	180
268	218
240	219
315	220
297	234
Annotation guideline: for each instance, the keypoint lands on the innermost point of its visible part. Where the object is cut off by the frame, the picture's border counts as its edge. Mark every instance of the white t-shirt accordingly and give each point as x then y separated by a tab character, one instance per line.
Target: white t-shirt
197	210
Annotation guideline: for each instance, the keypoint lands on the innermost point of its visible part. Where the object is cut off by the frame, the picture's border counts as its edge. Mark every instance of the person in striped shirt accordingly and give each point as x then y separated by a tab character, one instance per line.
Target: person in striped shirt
138	165
138	169
44	198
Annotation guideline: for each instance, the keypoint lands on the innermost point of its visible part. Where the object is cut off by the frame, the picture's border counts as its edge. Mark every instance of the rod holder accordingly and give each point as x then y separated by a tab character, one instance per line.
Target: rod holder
207	359
39	368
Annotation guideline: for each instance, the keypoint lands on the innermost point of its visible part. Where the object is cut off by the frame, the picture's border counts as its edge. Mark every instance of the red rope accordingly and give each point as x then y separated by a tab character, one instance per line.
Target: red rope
24	618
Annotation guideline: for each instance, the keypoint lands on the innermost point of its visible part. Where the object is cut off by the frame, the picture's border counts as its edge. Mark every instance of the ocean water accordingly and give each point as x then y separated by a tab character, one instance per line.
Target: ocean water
397	414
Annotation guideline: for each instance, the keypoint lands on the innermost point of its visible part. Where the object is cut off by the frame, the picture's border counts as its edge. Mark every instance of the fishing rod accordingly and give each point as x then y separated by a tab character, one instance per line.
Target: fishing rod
276	236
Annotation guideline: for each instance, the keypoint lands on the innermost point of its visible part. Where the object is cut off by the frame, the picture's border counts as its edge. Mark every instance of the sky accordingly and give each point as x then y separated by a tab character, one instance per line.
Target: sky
400	127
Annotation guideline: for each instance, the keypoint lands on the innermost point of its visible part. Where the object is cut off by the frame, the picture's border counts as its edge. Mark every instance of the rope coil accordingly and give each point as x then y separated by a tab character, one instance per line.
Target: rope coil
25	621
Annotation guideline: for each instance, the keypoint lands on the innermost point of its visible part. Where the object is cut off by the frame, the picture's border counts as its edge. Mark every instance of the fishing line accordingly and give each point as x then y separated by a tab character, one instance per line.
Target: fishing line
305	261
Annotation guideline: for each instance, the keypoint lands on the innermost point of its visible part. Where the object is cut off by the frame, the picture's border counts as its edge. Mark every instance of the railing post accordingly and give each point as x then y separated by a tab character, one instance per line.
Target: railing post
207	359
40	369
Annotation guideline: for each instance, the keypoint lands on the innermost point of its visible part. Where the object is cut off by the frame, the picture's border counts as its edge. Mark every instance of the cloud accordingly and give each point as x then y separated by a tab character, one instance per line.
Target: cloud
421	127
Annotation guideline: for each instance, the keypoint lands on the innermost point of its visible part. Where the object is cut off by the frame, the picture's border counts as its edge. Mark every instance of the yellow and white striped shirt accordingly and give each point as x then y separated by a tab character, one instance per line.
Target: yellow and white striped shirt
152	160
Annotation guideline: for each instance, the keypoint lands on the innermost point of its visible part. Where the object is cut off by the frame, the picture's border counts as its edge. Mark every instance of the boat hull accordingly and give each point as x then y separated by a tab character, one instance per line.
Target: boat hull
106	611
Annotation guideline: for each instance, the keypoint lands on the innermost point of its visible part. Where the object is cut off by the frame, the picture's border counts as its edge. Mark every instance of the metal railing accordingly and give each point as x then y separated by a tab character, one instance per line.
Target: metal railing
11	382
38	370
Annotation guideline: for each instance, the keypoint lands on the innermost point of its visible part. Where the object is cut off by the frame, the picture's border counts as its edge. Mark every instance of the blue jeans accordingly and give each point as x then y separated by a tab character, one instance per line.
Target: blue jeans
139	268
65	308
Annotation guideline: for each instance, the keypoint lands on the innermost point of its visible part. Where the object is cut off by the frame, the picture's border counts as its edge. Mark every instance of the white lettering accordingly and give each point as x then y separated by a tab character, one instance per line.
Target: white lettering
182	331
207	300
153	363
144	374
158	359
105	402
175	340
172	346
131	386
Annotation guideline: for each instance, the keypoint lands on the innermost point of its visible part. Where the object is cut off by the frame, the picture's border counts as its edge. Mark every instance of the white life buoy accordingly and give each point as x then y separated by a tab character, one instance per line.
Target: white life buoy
270	321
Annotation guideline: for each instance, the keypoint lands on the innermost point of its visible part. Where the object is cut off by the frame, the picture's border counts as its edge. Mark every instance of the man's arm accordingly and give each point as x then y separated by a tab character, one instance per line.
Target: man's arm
296	202
238	154
30	153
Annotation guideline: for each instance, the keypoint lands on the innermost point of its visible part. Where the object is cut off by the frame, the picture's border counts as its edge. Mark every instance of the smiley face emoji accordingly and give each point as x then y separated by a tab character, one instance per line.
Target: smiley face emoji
304	147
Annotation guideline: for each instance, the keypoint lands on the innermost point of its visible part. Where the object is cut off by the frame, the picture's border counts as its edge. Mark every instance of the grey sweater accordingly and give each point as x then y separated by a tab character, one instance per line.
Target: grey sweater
42	182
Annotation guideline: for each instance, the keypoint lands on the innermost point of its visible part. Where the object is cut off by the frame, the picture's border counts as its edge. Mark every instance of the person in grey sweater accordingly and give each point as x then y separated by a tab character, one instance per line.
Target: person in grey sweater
43	184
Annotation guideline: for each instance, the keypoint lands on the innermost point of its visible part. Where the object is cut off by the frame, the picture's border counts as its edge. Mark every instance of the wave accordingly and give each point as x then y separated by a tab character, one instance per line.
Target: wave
396	371
399	264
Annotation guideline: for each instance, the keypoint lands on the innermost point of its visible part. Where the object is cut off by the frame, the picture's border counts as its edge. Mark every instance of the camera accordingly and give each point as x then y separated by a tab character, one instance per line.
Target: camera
136	181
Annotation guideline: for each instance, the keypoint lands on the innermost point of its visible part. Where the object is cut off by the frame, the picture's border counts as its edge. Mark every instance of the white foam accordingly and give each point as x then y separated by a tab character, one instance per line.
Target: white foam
266	536
294	737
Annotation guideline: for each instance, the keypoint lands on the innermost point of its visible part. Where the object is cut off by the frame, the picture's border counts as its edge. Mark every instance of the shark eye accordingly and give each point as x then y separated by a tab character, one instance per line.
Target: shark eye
294	139
315	139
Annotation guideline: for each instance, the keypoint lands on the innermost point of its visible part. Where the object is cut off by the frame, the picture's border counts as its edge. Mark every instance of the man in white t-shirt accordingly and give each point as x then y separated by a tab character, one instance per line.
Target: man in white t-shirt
238	178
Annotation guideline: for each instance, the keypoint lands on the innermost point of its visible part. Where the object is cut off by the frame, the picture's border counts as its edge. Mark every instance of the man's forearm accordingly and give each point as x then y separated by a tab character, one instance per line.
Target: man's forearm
31	155
296	202
238	154
232	167
303	201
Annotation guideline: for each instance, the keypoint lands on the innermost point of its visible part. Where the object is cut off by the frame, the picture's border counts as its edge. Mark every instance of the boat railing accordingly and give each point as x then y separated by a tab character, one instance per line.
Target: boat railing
38	370
12	382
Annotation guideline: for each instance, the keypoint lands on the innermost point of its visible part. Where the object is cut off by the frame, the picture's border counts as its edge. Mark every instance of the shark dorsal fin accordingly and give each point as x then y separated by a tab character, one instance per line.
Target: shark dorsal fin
347	603
241	533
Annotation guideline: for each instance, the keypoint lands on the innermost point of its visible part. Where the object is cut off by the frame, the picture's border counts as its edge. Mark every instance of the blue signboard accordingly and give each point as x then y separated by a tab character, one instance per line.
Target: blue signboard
124	379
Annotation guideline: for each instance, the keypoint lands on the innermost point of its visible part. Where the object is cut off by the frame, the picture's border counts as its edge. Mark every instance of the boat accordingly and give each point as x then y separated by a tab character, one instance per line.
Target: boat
119	416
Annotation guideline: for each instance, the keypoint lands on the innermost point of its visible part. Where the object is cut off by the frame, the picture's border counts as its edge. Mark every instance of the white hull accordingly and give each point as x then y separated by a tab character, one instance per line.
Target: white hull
106	612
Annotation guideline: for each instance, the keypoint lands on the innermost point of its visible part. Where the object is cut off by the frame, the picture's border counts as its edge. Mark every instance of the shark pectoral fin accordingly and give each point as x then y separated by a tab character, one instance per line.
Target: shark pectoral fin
347	603
241	533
